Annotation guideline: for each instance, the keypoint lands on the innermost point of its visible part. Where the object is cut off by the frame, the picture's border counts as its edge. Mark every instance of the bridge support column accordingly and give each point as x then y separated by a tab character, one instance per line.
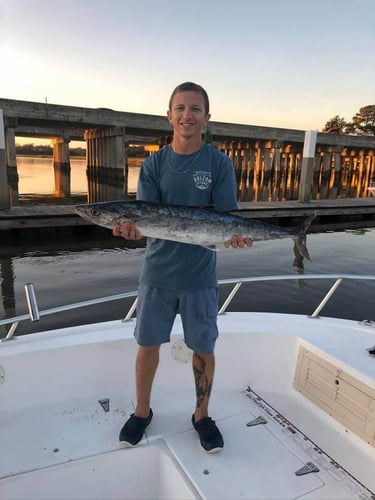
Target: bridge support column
4	190
61	166
8	162
11	157
107	171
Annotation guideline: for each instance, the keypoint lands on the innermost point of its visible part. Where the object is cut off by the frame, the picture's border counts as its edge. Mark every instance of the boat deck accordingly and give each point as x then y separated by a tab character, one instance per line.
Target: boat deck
58	440
170	462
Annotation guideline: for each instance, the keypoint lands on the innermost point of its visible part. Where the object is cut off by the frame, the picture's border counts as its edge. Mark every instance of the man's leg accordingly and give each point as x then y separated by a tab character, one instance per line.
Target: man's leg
203	369
145	368
156	310
198	310
152	303
209	435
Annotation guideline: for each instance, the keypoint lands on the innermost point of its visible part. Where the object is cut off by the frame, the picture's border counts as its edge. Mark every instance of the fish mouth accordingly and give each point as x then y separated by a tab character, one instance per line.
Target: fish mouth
82	212
86	212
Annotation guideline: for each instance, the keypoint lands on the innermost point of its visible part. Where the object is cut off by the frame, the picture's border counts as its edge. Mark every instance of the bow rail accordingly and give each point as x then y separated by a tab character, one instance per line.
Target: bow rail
35	314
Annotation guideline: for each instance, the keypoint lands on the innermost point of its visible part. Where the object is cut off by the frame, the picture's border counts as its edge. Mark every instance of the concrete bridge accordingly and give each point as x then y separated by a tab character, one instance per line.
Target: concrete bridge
262	152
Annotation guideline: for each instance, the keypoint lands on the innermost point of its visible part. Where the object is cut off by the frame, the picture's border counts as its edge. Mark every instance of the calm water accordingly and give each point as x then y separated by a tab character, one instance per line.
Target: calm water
66	268
37	182
88	266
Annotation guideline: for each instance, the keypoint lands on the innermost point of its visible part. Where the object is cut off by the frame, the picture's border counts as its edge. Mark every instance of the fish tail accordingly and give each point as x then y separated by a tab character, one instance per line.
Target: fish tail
300	238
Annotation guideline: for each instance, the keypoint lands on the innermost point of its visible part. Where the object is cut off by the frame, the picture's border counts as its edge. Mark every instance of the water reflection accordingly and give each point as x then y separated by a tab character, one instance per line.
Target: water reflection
298	260
39	183
92	264
65	270
7	279
268	174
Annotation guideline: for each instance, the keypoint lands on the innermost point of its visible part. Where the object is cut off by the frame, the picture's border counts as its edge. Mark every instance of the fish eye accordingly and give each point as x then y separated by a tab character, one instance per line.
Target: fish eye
94	212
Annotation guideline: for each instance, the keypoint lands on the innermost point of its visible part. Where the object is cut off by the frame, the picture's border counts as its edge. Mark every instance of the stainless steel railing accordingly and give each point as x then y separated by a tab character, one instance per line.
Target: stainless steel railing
35	314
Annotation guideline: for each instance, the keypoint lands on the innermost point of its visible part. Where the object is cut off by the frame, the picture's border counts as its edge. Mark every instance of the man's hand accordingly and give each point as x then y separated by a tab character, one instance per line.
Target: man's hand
237	241
127	230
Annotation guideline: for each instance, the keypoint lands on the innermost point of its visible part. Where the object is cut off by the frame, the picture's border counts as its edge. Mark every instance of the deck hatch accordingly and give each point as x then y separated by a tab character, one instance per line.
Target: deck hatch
347	399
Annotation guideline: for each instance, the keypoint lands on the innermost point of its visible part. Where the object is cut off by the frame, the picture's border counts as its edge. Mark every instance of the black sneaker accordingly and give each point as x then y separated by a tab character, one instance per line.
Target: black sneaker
133	430
209	435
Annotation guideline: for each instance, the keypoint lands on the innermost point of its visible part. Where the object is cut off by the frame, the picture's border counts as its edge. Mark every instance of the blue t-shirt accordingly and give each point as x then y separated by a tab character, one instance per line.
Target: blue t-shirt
200	179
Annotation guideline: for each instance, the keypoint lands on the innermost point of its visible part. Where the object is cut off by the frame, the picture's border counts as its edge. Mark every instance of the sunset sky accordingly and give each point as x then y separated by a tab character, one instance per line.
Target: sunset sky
291	63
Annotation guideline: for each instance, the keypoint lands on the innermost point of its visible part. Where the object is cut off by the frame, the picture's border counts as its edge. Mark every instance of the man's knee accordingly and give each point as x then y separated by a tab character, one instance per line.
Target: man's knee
148	350
205	355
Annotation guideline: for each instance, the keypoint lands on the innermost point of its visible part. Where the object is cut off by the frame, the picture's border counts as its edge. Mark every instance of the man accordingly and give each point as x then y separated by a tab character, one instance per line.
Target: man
177	277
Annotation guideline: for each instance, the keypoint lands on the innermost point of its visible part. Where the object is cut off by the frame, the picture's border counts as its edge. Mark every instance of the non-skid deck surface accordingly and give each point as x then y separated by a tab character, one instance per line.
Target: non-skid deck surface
78	452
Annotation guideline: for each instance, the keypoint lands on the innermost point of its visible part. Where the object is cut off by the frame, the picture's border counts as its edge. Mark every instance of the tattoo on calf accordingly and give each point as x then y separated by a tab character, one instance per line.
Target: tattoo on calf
202	384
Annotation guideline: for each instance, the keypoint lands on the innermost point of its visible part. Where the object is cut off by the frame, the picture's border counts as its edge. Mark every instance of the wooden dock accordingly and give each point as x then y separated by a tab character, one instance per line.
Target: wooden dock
349	212
39	216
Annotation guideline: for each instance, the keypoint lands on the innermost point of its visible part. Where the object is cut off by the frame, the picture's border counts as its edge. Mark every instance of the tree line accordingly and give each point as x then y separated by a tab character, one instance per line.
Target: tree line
47	150
363	123
44	150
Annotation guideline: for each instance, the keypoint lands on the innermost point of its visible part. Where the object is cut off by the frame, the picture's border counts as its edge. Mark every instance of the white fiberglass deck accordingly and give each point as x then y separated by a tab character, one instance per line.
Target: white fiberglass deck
58	442
257	462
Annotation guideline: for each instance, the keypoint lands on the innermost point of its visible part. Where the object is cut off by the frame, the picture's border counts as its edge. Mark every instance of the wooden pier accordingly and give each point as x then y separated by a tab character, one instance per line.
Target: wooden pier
270	163
348	212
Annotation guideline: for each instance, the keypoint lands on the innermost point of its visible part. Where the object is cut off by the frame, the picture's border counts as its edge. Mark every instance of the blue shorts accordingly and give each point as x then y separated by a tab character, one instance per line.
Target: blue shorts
157	309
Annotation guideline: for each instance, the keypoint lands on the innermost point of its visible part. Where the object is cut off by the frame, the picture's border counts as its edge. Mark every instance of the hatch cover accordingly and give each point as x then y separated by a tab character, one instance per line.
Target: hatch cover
253	464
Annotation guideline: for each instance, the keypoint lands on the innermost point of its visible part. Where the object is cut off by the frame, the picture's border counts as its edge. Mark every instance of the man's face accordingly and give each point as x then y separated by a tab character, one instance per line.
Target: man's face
187	114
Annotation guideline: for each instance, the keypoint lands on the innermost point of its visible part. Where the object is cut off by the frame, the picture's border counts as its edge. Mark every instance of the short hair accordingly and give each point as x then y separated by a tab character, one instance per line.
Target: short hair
194	87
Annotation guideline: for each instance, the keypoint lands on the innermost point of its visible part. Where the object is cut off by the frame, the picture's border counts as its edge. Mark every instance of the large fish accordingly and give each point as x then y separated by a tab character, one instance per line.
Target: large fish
193	225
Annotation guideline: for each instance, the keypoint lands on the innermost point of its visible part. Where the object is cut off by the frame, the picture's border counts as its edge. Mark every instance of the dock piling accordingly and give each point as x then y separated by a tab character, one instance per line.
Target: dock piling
307	166
4	190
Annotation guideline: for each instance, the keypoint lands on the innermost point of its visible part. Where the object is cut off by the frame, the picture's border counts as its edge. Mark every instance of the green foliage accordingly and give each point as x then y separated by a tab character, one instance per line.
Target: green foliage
335	124
44	150
32	149
47	150
363	123
137	152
